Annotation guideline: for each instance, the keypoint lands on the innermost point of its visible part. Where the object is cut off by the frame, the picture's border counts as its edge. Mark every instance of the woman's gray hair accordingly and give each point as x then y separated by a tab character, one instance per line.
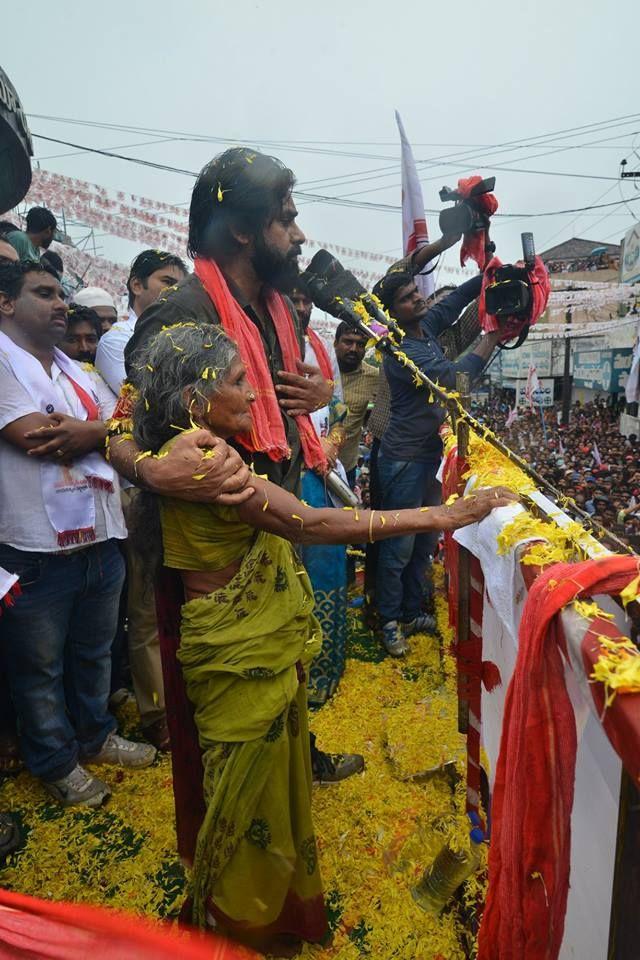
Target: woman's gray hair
186	355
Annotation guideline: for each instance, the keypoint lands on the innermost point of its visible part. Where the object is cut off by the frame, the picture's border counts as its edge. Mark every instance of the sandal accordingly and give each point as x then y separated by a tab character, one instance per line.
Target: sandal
10	836
157	733
11	762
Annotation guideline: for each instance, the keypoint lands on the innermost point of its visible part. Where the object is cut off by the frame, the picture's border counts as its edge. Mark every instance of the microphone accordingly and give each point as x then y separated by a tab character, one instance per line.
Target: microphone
331	287
335	290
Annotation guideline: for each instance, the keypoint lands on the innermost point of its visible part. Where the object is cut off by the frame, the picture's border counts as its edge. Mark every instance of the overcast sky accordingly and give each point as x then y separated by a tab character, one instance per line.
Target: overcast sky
464	76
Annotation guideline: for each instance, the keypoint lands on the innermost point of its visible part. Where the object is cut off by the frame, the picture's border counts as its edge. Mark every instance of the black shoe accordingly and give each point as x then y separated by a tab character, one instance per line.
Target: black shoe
333	767
10	837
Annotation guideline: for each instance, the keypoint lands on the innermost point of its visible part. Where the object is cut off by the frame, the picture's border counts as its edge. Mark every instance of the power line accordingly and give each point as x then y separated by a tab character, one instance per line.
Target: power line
119	146
508	148
509	145
340	201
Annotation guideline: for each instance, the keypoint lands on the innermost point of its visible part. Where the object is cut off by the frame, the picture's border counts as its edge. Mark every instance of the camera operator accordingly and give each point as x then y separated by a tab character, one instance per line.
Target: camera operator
411	449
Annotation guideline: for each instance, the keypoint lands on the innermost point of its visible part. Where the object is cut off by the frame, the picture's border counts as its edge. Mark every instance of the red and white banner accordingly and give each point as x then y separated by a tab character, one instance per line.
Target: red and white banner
153	223
414	222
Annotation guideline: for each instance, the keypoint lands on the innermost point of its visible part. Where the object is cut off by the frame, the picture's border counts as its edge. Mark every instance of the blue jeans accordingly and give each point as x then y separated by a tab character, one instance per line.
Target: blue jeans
58	638
403	561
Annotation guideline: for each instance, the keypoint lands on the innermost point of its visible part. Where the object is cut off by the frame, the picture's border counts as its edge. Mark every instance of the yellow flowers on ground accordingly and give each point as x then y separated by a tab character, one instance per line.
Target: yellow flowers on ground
376	832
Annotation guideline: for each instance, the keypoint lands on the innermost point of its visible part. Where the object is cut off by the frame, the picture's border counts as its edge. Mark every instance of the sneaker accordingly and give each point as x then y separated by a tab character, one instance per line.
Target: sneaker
422	624
78	788
394	639
333	767
124	753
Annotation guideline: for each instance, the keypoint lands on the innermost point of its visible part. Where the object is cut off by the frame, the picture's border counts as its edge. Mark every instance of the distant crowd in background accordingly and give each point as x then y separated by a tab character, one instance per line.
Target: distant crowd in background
603	261
589	460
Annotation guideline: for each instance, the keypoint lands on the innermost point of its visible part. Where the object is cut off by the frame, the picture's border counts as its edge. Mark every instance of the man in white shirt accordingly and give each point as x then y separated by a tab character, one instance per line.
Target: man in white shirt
151	272
60	520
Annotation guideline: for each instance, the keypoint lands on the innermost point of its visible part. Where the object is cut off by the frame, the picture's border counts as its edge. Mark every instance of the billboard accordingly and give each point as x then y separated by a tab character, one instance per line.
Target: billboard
630	258
605	370
541	398
514	364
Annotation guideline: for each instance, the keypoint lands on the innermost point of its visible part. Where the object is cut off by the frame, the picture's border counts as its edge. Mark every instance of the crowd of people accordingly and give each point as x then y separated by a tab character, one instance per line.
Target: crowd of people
172	500
599	261
588	459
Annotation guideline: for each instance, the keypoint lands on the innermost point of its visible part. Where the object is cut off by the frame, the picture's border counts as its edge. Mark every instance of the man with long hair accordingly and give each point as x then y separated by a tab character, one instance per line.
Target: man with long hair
245	243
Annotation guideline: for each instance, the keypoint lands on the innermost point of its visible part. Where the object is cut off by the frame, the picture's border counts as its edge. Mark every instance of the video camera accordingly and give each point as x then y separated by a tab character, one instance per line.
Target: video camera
465	216
509	293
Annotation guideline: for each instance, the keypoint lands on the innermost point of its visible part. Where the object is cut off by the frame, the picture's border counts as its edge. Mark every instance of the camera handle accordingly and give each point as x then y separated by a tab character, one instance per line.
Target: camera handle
522	336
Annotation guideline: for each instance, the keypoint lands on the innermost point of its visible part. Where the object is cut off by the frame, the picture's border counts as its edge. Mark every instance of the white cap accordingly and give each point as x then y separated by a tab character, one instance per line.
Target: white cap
94	297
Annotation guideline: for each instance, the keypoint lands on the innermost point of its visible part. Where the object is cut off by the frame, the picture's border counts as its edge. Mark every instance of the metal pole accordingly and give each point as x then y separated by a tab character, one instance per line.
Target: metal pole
463	385
566	376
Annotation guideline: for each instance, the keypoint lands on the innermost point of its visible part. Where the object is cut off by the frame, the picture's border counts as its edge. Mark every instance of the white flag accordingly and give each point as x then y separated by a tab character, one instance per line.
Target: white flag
596	455
414	221
511	416
561	449
533	384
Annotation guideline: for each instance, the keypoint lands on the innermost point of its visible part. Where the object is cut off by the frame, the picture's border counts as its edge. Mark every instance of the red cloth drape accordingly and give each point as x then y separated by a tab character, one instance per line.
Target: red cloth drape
33	929
473	244
268	433
529	856
322	355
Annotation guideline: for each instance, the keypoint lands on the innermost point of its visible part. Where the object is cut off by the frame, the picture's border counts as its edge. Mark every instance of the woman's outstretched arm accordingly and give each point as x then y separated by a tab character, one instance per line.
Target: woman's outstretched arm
275	510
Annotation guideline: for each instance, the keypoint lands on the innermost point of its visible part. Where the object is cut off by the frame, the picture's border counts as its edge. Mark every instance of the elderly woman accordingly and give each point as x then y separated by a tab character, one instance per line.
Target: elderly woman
248	634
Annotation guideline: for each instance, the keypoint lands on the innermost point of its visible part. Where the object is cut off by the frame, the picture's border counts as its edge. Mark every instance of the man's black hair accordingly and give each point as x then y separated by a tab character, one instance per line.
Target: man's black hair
12	275
239	190
147	263
78	313
386	288
39	219
54	260
448	288
344	327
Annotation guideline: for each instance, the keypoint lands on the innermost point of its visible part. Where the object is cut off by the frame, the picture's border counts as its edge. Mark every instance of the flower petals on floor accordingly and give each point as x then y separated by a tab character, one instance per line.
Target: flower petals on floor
376	832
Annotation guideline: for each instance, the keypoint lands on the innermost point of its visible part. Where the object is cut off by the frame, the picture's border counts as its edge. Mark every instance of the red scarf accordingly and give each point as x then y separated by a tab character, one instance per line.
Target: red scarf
324	361
529	856
473	244
267	434
86	400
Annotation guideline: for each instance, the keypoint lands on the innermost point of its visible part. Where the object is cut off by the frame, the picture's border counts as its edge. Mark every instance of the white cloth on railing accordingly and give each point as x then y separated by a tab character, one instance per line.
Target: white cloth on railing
503	580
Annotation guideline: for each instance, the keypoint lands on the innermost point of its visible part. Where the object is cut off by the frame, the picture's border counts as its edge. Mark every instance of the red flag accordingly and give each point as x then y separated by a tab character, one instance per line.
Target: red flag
414	222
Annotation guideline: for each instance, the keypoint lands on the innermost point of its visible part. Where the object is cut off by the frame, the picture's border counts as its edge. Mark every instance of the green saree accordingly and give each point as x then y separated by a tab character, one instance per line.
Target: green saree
243	650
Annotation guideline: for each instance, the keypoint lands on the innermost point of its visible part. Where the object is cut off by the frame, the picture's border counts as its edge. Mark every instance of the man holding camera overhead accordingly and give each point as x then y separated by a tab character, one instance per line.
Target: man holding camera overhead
411	450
